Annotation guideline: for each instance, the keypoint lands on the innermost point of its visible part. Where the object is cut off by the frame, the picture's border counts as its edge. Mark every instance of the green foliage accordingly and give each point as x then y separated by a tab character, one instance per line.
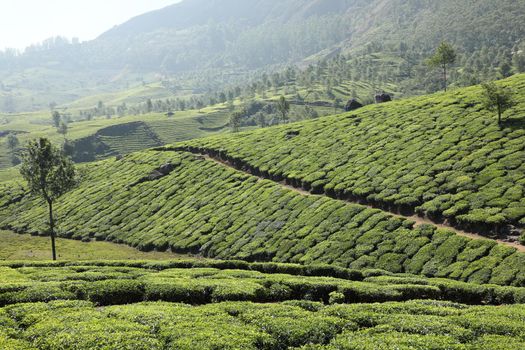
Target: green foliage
47	171
200	282
283	106
390	49
49	174
62	128
444	56
336	298
497	98
235	121
437	155
56	118
206	208
12	142
411	325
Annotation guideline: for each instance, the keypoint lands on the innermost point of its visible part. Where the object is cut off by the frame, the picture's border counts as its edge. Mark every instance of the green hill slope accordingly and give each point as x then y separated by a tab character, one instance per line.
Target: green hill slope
100	138
443	156
207	208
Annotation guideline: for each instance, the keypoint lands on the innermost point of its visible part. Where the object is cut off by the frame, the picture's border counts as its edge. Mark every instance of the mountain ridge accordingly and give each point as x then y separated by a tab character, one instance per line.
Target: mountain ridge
229	42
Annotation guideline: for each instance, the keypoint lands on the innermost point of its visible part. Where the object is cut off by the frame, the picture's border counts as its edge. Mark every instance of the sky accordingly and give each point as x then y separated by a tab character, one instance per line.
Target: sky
25	22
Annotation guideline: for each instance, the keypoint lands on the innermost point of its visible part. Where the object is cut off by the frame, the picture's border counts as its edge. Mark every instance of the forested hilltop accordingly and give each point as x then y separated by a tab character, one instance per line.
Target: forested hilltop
190	42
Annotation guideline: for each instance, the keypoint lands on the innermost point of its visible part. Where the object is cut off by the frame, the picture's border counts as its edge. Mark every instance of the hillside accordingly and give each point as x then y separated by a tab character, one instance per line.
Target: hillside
442	156
205	208
103	137
223	32
107	134
315	269
207	45
267	175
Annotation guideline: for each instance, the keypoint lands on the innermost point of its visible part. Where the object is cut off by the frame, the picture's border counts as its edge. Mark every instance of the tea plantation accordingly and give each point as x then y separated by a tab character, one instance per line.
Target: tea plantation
443	156
215	211
206	281
311	270
225	305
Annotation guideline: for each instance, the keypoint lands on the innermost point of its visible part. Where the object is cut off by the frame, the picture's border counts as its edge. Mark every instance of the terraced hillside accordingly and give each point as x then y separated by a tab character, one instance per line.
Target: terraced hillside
206	208
183	129
102	138
134	137
442	156
127	137
231	304
361	278
115	140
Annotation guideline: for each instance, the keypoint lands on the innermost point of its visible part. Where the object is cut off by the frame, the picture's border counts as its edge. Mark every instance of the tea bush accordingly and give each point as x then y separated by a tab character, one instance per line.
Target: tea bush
208	209
441	155
191	284
419	325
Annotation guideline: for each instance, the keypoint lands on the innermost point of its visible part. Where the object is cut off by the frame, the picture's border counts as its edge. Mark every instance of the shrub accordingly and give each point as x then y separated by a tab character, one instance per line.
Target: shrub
336	298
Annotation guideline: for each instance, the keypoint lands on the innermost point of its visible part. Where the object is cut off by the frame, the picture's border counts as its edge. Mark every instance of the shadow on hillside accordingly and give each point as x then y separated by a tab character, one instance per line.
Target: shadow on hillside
513	123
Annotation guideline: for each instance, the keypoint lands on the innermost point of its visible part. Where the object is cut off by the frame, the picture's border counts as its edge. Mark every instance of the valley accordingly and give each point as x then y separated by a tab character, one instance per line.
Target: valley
266	175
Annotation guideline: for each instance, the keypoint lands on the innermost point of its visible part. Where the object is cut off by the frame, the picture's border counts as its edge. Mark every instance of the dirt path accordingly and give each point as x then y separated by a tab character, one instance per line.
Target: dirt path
417	219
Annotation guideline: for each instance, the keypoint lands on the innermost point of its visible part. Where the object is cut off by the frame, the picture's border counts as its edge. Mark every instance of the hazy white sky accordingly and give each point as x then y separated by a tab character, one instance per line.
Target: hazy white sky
24	22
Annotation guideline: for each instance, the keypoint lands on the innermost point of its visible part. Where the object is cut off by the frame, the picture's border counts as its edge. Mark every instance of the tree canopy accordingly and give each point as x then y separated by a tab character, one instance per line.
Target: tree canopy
497	98
49	174
284	108
444	56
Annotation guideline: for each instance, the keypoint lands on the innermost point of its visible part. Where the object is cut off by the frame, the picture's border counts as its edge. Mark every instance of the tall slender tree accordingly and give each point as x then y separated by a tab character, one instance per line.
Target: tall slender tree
56	118
497	98
12	144
443	58
63	128
235	121
49	174
283	106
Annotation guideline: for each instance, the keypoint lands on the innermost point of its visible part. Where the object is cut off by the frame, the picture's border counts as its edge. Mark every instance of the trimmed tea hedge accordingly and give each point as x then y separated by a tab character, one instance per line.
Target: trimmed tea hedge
208	209
442	155
196	282
414	325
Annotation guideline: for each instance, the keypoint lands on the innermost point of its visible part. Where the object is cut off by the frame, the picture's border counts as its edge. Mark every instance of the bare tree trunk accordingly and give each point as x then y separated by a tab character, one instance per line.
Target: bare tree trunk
52	230
445	76
499	114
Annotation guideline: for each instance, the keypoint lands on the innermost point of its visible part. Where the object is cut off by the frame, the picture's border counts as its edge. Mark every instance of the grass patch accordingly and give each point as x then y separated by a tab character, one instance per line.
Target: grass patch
32	248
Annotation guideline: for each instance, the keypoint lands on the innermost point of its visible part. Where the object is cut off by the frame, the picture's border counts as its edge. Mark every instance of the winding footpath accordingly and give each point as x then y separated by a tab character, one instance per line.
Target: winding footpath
415	218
